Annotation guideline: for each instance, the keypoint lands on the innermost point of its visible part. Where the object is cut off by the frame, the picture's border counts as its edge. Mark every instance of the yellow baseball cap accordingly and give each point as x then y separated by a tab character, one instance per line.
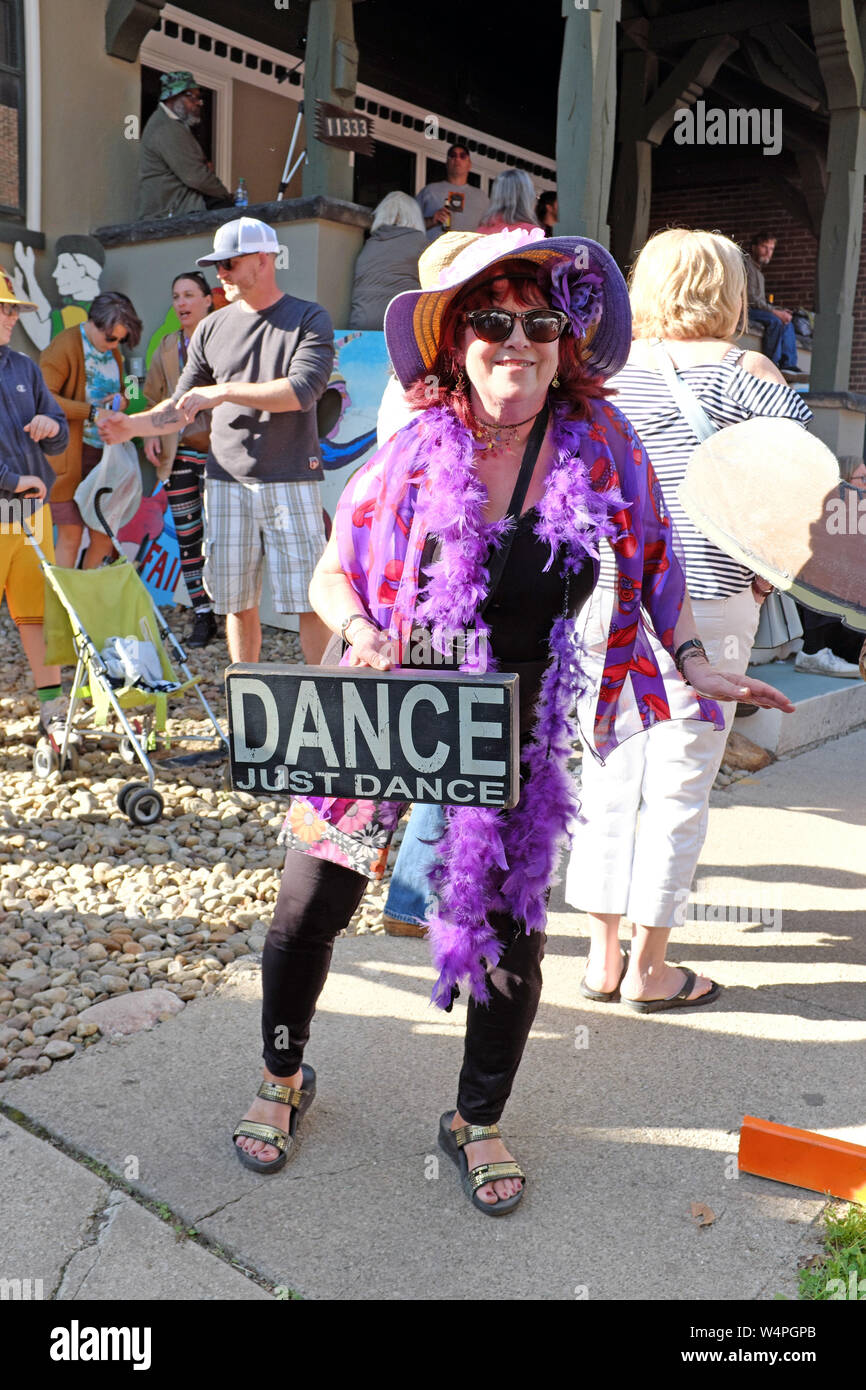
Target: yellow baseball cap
8	295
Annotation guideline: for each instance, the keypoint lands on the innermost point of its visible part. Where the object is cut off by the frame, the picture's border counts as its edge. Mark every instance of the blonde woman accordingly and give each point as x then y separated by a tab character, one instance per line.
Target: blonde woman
646	807
388	261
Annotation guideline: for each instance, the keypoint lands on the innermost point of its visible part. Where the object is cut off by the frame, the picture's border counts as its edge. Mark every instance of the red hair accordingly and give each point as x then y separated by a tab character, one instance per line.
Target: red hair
528	286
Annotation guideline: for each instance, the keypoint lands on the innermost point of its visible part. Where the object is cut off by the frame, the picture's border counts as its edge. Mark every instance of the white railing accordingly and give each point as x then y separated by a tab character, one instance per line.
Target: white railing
218	55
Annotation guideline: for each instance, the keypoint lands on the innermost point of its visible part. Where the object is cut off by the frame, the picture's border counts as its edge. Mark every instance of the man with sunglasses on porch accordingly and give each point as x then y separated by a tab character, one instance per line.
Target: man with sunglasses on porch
453	204
260	365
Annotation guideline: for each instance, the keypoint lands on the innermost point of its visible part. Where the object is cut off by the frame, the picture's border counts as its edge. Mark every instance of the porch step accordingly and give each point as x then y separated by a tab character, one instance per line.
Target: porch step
825	707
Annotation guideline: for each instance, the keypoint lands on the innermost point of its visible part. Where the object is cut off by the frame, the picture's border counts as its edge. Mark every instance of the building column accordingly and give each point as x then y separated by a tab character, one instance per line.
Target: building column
331	75
586	117
840	55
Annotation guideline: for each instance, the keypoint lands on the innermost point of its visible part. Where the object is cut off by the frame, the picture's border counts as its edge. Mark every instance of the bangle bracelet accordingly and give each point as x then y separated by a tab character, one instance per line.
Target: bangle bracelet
345	624
694	647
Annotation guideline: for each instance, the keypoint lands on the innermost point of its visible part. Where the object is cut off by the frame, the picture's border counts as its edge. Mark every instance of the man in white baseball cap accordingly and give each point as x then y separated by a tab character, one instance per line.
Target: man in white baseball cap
243	237
260	365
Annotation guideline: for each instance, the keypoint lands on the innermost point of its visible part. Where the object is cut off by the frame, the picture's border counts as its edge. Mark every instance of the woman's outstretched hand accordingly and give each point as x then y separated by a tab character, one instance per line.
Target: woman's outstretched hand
370	647
731	685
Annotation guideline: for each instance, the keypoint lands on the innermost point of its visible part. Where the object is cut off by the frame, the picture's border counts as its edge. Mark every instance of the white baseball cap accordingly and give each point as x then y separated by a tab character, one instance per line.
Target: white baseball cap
241	238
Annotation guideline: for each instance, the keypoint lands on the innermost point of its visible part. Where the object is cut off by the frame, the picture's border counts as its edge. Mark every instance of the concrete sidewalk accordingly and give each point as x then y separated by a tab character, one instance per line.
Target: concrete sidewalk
621	1121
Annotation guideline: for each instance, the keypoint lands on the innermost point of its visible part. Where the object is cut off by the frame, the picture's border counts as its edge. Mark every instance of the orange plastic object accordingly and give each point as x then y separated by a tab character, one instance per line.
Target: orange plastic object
803	1159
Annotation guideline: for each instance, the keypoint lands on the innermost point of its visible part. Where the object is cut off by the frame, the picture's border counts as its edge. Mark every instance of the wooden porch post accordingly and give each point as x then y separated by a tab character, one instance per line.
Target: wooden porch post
840	54
586	115
330	73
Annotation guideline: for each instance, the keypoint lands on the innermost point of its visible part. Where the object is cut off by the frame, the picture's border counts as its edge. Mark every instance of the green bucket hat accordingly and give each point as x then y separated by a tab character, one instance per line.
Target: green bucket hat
171	84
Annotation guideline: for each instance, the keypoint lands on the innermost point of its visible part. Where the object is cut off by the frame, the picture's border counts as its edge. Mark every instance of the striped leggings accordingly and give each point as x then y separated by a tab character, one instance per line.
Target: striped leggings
185	487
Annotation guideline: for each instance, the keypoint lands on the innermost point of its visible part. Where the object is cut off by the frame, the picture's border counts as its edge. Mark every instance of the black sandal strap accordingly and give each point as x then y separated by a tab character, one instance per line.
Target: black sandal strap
689	983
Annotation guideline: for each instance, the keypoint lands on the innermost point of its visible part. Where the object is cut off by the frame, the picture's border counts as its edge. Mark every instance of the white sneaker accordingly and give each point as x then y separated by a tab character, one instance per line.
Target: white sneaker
825	663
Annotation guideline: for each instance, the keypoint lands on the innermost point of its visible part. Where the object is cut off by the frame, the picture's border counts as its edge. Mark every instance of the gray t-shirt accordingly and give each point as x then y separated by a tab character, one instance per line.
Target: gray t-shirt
475	204
294	338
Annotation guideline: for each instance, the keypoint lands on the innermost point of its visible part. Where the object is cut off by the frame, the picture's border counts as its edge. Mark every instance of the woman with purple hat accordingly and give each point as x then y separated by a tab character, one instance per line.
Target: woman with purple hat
484	514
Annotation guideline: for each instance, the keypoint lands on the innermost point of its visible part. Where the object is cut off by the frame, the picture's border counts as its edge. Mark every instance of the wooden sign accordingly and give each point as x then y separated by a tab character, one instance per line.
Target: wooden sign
345	129
443	738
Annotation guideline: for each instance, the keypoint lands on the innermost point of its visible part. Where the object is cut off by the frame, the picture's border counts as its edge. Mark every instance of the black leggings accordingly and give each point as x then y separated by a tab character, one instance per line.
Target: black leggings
317	900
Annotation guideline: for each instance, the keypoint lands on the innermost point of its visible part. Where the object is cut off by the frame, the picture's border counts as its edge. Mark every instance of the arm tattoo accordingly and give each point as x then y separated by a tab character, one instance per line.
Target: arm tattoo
165	415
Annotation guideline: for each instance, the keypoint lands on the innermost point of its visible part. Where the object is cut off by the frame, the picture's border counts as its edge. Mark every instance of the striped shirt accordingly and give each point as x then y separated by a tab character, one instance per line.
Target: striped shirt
729	394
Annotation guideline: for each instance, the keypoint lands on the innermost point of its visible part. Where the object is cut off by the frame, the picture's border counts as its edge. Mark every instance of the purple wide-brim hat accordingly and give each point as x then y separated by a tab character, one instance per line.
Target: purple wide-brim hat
413	321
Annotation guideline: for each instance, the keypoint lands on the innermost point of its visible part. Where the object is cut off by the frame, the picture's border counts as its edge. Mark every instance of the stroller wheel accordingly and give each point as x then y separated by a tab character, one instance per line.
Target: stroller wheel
124	793
45	760
143	805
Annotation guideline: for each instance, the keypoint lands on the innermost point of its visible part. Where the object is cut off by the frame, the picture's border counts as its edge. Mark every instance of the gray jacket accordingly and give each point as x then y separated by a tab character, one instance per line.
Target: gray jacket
173	172
387	265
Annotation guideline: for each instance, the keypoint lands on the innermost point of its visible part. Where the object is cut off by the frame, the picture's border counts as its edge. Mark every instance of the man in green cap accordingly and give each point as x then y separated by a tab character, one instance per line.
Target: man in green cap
175	176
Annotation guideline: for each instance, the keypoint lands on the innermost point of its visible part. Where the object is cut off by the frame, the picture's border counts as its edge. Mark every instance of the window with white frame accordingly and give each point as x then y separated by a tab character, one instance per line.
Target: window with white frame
13	143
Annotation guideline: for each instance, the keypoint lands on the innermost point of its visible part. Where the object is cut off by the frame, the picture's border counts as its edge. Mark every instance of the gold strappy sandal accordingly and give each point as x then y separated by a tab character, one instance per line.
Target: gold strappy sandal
452	1142
284	1140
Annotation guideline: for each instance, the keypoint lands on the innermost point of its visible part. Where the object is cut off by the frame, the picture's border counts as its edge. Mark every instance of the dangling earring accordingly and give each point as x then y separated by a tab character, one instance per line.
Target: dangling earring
555	381
460	382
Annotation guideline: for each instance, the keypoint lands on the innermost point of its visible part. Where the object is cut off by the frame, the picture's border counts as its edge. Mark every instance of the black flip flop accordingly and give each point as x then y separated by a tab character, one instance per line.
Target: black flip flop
677	1001
605	996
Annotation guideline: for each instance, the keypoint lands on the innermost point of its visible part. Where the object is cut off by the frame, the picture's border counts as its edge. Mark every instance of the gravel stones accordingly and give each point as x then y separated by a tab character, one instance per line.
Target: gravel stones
93	910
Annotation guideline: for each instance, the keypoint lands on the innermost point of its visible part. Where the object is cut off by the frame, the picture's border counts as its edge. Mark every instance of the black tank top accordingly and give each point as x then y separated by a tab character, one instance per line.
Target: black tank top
520	614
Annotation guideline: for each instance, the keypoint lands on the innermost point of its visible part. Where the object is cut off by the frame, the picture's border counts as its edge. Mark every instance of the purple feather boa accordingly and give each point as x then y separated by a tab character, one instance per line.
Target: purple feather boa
505	860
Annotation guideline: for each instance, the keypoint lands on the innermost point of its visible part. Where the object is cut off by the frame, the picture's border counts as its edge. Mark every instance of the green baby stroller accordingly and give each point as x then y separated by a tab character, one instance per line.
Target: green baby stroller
86	611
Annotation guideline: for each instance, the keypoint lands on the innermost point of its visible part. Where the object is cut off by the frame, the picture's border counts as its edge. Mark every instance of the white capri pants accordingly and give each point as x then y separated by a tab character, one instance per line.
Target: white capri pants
646	808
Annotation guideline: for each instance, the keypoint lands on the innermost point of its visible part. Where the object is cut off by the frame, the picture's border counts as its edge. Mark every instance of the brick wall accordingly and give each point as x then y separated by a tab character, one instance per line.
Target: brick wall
740	210
9	156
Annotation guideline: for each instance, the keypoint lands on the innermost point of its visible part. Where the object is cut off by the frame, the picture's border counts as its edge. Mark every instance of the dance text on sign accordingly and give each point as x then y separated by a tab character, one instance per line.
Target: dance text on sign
443	737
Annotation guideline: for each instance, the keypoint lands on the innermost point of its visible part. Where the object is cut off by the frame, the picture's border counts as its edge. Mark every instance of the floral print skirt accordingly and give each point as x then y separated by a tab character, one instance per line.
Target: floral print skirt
356	834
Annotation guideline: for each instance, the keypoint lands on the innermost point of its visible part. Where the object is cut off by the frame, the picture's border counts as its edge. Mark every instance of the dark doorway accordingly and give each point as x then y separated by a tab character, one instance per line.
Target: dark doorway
387	170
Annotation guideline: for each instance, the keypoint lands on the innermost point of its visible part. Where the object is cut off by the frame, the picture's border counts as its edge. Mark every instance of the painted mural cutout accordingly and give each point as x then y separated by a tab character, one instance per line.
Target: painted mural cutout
78	267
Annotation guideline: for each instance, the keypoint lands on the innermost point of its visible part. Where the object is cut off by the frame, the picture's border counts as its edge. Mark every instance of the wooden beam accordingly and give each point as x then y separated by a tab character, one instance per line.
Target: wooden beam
799	130
794	57
840	53
689	79
792	199
812	166
632	186
728	18
127	22
771	75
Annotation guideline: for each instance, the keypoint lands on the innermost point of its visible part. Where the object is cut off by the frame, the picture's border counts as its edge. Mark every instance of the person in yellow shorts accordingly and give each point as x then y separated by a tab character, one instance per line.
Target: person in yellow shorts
32	427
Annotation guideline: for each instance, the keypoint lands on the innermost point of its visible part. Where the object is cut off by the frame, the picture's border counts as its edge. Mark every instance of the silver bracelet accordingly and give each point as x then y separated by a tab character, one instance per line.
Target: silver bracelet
345	624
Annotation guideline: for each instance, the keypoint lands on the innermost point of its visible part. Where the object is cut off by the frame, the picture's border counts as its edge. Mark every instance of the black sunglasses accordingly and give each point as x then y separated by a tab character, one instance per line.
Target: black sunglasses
495	325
